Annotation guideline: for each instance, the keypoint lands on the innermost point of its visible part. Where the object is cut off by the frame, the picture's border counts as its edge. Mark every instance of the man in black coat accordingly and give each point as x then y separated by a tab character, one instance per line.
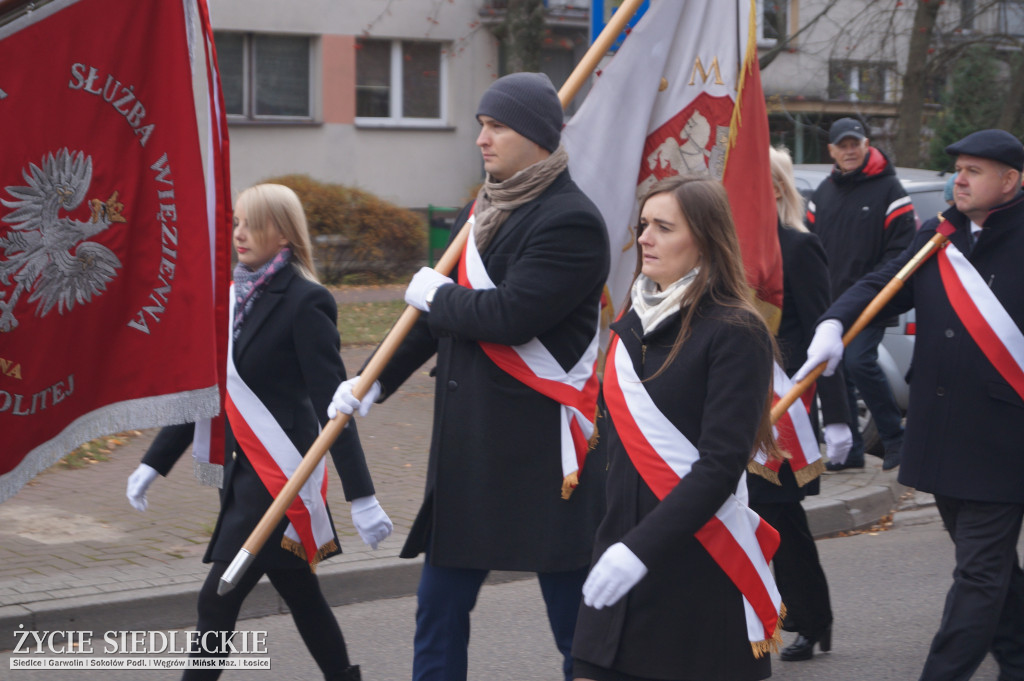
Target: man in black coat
965	424
864	218
494	477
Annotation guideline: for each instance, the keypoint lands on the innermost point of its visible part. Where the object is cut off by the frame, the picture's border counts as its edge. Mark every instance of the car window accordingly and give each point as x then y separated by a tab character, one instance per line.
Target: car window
927	204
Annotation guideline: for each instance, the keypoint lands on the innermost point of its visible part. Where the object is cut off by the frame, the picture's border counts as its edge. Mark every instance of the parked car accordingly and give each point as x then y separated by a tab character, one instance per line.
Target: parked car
925	188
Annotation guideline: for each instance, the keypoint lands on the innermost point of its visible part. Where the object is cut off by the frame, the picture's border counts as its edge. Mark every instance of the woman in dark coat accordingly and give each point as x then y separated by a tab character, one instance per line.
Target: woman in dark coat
691	352
806	296
284	363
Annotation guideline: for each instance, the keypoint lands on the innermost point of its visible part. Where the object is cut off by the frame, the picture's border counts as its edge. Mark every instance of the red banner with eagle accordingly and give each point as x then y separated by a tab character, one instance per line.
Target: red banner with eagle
682	95
113	229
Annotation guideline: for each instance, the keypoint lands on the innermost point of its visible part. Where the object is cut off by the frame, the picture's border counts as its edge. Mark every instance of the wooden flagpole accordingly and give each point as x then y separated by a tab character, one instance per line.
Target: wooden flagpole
371	372
869	313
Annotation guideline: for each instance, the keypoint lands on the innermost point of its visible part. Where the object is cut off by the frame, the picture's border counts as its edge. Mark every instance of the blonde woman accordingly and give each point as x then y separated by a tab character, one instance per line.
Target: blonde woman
283	361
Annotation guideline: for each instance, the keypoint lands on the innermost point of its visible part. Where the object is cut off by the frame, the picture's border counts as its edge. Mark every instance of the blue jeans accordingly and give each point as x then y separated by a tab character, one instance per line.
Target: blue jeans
447	595
862	371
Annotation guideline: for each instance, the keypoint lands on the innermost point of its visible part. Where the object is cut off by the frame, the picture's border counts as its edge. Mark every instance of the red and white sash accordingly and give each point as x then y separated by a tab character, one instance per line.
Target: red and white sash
533	365
309	534
739	540
988	322
795	435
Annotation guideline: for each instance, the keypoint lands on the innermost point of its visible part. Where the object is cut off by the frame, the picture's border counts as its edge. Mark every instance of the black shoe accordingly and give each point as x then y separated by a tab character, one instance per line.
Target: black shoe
349	674
893	454
830	466
892	460
803	647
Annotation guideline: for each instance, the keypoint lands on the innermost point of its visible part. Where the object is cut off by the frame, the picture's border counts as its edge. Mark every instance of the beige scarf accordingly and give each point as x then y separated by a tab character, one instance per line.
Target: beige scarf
496	200
653	305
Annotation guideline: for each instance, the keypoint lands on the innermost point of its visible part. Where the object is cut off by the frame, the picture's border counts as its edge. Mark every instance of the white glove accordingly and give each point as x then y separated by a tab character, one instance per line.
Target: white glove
345	402
826	346
838	441
423	282
372	523
616	572
138	482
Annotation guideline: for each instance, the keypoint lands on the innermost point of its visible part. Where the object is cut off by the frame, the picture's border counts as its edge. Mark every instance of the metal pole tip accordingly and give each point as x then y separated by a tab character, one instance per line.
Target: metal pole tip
243	559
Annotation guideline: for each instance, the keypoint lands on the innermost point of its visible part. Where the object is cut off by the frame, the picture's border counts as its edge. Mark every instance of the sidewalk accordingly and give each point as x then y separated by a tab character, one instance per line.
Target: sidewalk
75	556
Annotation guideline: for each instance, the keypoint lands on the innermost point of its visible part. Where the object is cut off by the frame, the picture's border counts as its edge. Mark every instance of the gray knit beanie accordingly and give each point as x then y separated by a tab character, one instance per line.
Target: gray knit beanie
527	103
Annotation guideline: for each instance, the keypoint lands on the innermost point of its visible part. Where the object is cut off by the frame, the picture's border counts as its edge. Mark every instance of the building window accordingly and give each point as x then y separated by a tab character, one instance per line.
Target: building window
400	82
772	21
861	81
265	76
967	14
1011	17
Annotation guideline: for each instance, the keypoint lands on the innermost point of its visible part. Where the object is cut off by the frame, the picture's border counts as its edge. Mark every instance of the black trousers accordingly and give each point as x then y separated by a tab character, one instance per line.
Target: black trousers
798	572
985	606
300	590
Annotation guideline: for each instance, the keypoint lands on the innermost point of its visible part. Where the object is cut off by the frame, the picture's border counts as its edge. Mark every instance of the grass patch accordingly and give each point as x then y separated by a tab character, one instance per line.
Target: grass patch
367	323
96	450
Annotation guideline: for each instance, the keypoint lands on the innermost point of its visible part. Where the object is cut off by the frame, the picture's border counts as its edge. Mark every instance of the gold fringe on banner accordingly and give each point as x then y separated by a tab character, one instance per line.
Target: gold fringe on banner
763	471
770	645
292	546
569	484
809	472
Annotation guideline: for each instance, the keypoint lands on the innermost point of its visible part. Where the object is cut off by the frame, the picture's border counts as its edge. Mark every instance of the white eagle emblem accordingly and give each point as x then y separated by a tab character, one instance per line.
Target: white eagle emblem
49	255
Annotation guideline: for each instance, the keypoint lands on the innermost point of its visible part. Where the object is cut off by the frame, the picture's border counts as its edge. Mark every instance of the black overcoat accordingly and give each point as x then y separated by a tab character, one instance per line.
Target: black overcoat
288	353
806	295
965	424
685	618
493	483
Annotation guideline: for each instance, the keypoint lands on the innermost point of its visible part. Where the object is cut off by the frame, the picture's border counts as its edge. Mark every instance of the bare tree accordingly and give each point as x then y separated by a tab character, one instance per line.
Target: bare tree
915	80
523	35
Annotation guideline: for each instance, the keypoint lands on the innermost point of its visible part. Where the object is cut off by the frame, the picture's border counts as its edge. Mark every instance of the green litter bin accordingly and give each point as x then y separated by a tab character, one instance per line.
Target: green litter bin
439	220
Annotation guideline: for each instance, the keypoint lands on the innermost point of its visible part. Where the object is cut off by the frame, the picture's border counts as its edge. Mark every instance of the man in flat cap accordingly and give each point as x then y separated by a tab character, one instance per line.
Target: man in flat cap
965	426
864	219
521	310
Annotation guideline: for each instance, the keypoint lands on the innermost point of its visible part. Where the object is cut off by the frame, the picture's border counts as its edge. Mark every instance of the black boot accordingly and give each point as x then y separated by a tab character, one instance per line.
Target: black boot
803	647
350	674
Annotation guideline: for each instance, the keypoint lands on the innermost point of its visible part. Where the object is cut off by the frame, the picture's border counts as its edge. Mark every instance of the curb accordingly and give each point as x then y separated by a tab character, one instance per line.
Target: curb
364	579
174	606
856	510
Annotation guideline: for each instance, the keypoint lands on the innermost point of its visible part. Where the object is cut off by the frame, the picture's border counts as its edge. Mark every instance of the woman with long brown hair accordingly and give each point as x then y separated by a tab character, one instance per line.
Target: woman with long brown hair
680	587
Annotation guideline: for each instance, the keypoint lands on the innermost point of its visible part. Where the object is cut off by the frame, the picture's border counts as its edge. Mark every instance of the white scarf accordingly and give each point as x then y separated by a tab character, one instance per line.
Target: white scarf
654	306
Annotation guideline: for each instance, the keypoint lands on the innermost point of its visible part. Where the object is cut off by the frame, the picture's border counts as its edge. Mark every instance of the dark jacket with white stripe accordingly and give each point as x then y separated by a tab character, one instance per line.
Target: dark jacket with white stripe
863	218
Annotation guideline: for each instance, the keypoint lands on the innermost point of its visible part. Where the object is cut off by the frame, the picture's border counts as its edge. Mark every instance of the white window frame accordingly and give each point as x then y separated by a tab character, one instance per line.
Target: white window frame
889	80
396	94
249	79
762	40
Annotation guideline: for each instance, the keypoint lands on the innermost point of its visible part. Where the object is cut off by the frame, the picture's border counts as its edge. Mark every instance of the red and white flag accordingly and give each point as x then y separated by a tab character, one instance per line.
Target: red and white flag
113	249
682	95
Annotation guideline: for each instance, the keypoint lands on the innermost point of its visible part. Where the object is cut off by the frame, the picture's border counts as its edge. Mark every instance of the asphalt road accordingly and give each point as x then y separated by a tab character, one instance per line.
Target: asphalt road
887	592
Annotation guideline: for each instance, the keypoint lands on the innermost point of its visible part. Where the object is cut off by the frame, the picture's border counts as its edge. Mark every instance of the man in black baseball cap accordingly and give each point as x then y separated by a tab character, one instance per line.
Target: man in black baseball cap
964	431
844	128
864	218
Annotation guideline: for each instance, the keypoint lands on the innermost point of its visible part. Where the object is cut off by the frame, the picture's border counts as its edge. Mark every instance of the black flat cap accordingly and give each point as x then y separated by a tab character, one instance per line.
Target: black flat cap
997	145
845	127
